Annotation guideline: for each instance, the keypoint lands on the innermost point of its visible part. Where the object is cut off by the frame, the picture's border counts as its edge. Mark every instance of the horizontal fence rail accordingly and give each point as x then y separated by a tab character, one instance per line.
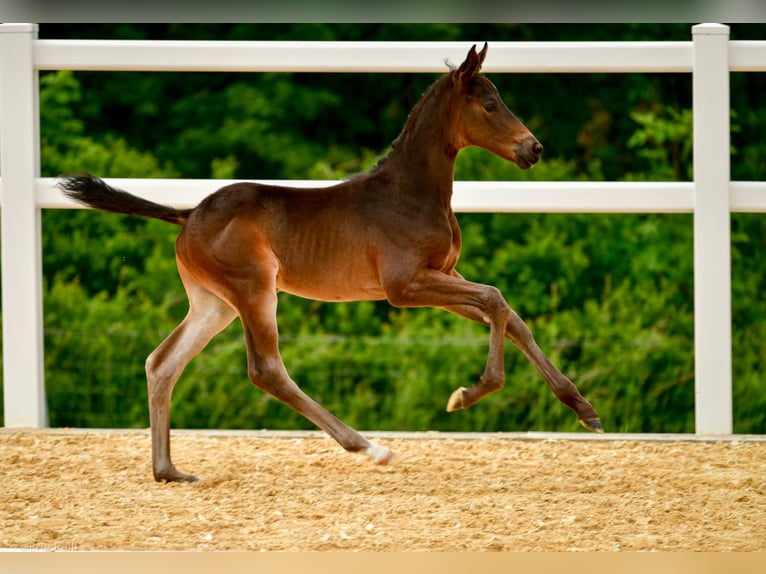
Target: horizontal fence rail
384	57
710	57
469	196
360	57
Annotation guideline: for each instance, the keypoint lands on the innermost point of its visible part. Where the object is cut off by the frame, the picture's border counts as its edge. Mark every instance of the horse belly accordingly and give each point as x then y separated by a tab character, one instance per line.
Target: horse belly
330	279
332	290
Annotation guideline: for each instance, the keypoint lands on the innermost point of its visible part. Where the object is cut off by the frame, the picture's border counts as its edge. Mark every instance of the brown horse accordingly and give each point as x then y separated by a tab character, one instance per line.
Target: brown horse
387	234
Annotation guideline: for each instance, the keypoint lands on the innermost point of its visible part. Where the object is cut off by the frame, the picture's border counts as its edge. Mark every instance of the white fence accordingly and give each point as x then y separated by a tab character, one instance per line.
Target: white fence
709	56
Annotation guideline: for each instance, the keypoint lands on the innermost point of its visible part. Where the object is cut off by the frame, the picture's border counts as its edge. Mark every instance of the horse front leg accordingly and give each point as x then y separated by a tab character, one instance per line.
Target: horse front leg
565	390
430	288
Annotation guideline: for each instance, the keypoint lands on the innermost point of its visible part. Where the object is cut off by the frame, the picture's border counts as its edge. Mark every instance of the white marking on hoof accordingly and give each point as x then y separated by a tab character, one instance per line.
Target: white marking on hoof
455	401
380	455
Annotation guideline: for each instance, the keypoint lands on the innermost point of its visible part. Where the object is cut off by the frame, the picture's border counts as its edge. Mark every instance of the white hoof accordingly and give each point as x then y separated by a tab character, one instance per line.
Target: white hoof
380	455
455	401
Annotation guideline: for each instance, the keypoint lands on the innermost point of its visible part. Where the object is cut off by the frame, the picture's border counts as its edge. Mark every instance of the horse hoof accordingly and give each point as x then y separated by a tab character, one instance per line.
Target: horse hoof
388	460
455	402
380	455
175	476
593	425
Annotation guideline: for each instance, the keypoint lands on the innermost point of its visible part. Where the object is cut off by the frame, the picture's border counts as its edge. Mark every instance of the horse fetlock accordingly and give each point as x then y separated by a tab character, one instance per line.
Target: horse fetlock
492	383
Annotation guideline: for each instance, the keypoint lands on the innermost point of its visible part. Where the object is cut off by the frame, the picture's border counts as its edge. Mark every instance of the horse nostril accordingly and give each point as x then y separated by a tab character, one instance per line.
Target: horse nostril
537	148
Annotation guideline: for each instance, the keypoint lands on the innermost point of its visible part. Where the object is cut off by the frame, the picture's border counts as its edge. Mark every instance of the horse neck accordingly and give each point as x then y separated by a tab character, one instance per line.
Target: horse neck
424	155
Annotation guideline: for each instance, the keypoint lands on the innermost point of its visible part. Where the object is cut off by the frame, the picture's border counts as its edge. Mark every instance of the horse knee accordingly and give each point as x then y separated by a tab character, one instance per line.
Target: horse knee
497	307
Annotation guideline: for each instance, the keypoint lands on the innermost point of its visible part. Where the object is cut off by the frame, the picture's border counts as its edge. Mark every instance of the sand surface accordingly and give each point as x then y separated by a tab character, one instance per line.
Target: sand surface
94	491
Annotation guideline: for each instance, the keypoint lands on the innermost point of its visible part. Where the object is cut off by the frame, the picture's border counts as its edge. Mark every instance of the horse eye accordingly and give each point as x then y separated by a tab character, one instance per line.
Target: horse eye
490	107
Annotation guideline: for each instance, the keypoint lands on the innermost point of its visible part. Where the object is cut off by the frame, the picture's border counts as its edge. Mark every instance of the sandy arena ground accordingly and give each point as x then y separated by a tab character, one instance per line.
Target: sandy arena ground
94	491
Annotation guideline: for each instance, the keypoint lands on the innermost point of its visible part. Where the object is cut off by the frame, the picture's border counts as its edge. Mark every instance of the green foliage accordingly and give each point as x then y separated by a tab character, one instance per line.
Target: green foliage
665	140
609	297
93	348
67	149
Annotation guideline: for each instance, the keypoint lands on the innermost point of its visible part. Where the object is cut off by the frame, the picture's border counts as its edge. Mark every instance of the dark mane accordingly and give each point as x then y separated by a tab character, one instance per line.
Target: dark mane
412	119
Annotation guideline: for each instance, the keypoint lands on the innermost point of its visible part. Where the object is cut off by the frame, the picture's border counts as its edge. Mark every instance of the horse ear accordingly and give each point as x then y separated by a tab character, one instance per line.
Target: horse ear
472	64
483	54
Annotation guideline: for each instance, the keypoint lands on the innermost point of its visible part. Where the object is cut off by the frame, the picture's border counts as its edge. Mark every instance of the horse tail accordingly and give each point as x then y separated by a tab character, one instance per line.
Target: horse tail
94	192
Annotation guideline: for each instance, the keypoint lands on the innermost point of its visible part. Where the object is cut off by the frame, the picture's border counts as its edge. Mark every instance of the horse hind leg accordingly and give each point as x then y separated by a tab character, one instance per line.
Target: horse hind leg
208	315
267	372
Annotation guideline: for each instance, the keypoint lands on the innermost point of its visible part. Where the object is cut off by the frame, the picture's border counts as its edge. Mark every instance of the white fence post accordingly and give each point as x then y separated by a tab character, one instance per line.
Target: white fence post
712	225
23	371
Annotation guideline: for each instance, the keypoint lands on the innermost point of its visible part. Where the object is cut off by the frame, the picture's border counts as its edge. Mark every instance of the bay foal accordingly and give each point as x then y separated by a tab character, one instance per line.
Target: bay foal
387	234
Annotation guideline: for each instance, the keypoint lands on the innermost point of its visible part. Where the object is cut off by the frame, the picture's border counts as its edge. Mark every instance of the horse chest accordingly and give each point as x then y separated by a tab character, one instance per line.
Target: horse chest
447	245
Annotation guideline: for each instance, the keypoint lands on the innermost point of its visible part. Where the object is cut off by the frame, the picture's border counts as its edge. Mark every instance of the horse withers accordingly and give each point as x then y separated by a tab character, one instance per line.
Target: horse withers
386	234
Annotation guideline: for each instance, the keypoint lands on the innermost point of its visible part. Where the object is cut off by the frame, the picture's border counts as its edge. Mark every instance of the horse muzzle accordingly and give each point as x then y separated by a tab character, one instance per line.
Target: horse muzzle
529	152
